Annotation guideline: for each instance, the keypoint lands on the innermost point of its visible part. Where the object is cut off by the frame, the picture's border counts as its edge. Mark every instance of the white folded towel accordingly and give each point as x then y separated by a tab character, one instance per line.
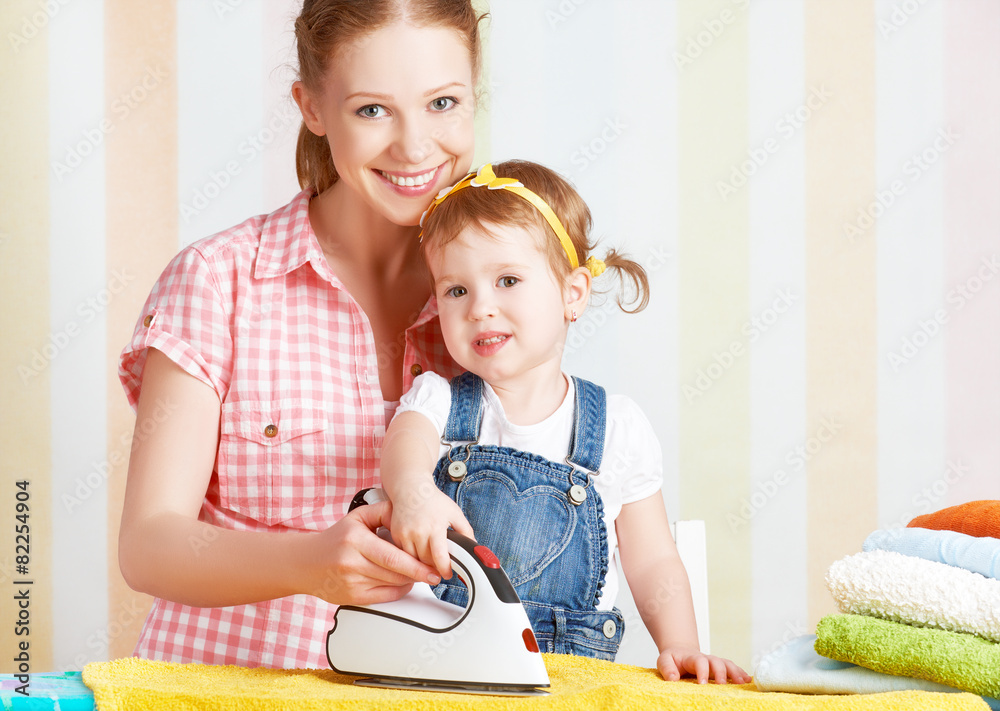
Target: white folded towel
920	592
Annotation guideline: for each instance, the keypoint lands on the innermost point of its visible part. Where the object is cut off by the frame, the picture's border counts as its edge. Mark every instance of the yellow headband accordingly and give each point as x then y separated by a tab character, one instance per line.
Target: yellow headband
485	177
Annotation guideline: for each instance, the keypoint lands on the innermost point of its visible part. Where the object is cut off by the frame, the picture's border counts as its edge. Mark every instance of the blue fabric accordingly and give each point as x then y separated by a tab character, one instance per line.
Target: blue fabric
554	552
55	690
796	668
979	555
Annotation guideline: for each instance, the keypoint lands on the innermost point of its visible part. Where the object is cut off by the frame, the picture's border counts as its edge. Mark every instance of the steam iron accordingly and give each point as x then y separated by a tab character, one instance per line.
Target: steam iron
422	643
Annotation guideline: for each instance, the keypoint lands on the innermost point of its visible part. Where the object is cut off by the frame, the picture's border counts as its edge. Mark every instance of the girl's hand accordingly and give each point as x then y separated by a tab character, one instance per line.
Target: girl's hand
673	663
357	567
420	521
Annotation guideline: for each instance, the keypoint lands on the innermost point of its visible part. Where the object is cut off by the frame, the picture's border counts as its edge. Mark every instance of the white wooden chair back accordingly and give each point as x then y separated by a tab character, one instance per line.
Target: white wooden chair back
690	539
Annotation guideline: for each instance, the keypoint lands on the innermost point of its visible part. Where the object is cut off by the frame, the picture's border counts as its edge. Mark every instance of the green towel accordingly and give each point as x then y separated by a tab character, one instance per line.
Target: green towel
963	661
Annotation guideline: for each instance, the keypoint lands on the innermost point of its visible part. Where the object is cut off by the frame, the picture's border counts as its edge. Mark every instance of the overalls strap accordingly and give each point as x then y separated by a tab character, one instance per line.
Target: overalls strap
590	421
466	408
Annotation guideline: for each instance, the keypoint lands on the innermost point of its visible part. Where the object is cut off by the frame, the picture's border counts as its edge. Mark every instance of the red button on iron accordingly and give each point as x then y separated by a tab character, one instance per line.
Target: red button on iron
486	556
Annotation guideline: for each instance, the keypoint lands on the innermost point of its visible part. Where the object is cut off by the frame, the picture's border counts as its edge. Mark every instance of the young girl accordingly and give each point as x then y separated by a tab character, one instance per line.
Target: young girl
546	470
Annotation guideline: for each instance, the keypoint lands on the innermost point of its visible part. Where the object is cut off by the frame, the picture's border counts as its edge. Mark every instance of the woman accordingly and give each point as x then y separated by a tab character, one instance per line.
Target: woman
277	348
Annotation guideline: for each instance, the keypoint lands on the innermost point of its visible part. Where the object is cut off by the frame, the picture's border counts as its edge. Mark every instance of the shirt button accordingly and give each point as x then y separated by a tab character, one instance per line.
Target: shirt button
270	431
416	370
147	321
610	628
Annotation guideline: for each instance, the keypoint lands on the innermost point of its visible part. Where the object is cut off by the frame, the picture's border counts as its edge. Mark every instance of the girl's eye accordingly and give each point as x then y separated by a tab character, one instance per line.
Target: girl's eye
456	291
442	103
508	281
371	111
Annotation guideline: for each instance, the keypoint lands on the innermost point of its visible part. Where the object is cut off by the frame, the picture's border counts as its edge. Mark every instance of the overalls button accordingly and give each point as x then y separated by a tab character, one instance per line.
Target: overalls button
577	494
610	628
456	471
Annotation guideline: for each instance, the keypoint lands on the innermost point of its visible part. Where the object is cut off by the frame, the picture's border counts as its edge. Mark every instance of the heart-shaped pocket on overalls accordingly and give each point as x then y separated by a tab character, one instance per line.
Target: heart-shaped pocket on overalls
527	530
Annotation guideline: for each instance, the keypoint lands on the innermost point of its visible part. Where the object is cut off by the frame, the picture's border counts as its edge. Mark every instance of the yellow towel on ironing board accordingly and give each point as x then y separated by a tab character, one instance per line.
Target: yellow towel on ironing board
577	683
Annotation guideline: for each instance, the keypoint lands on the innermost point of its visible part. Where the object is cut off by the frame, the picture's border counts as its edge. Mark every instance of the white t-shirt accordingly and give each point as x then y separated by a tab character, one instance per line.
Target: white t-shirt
631	470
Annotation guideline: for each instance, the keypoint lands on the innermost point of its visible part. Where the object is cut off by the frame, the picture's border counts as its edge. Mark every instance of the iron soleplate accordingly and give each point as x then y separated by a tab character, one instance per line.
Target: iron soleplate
452	688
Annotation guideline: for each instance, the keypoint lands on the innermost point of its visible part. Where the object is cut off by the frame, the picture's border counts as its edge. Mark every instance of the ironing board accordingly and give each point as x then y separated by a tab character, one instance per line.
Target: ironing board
577	682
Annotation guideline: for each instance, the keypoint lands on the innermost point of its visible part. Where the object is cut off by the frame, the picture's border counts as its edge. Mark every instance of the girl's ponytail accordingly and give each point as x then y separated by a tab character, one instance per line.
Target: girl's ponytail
638	282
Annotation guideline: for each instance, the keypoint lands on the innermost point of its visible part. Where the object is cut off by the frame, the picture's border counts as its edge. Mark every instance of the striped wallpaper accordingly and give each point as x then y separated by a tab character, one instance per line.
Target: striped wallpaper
812	184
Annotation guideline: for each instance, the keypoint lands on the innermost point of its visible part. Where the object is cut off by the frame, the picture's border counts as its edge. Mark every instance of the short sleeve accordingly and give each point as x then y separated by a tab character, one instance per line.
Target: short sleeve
431	397
636	454
187	319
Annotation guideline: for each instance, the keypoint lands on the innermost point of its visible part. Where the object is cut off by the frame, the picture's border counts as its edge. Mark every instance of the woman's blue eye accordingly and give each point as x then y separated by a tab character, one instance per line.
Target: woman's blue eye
443	103
371	111
456	291
508	281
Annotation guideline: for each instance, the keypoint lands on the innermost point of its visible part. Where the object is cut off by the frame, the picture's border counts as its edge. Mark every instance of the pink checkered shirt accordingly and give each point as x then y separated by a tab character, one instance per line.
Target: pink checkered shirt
257	313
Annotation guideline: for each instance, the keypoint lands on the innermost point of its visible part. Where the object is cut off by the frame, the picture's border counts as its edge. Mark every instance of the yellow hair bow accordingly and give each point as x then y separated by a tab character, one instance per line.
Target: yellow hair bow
595	266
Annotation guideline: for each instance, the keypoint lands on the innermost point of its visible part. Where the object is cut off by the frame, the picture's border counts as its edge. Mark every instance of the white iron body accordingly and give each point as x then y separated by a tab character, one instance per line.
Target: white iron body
422	642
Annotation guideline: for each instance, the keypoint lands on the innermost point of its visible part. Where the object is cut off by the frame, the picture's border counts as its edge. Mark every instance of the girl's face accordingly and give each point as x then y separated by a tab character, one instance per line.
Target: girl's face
503	311
397	108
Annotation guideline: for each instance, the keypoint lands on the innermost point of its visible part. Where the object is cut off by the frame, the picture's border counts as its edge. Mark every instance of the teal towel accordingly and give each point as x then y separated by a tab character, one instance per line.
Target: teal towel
979	555
61	691
964	661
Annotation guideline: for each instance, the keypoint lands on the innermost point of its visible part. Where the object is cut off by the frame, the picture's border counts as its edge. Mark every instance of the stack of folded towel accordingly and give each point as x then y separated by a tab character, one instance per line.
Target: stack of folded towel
920	603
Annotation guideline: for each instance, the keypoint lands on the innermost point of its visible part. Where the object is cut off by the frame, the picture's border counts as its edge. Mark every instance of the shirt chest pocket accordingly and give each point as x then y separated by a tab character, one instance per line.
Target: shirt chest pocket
272	460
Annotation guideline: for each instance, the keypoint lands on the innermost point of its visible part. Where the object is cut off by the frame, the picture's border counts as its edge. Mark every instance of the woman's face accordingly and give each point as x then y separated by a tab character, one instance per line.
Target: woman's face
397	108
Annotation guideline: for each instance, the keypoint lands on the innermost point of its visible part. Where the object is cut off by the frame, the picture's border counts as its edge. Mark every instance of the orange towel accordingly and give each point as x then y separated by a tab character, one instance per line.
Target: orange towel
974	518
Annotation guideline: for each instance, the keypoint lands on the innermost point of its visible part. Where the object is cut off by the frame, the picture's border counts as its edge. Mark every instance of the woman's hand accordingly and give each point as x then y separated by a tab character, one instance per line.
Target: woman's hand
673	663
358	567
420	521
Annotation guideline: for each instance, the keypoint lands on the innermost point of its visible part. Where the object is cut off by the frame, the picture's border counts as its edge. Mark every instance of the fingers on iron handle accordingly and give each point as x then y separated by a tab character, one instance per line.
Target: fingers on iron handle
442	560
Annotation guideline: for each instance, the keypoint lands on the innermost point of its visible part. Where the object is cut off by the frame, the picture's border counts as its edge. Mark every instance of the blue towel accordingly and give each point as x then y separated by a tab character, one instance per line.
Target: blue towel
796	668
979	555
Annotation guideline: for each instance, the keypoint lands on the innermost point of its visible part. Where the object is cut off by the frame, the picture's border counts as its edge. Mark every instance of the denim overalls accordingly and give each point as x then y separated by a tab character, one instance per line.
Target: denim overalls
542	519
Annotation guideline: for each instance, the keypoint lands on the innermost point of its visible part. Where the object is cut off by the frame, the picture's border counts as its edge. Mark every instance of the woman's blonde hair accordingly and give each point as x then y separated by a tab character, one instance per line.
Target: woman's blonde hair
481	207
325	27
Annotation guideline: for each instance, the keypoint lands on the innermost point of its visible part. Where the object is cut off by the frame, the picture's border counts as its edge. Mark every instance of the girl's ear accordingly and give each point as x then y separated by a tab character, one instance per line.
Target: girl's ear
577	292
309	108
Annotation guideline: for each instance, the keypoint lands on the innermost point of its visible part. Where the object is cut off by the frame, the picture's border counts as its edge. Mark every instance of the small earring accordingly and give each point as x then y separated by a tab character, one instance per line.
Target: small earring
573	317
